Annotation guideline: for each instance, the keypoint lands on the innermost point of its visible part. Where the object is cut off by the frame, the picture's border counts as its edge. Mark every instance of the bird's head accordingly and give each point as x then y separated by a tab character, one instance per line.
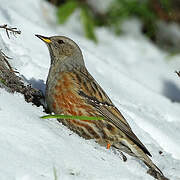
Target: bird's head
63	50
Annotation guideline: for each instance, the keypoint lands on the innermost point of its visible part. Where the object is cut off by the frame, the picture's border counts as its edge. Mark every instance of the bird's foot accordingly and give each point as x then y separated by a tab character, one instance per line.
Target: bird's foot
124	158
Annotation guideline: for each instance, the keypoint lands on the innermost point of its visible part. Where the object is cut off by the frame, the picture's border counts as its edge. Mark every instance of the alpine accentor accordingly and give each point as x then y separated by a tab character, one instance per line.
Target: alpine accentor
71	90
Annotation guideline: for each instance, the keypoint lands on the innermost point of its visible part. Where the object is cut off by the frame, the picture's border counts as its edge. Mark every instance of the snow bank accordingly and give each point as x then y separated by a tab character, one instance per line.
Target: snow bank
133	72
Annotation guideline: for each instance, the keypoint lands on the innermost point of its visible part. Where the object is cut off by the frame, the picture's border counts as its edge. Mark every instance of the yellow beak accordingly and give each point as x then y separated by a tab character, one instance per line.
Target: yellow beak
43	38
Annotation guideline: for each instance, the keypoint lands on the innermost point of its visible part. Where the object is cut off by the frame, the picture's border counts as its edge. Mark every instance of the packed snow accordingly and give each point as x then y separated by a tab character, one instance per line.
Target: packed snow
137	76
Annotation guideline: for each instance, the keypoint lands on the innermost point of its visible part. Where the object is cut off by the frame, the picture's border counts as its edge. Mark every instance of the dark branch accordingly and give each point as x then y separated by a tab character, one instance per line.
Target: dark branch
178	73
4	57
13	31
13	83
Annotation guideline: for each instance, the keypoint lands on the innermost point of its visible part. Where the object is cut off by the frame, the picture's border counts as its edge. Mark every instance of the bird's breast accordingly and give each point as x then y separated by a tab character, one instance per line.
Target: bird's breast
63	96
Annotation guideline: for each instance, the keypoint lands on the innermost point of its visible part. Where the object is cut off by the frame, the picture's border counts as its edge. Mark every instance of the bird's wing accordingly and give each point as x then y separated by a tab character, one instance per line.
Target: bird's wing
94	95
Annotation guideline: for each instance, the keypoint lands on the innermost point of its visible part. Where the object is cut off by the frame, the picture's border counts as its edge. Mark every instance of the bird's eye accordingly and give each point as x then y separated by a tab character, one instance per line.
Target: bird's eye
60	41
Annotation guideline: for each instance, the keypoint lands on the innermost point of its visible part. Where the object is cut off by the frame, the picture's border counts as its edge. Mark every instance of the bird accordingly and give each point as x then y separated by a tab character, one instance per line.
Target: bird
72	90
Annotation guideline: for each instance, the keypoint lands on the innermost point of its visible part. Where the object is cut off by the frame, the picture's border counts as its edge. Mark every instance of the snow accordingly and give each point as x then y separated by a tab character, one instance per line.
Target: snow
135	74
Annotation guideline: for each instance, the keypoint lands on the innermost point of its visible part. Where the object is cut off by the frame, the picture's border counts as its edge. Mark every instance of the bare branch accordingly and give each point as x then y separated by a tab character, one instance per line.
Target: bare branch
13	31
13	83
178	73
4	57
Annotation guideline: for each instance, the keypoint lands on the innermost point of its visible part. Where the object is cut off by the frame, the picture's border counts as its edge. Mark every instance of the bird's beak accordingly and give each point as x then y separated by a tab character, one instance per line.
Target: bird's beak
43	38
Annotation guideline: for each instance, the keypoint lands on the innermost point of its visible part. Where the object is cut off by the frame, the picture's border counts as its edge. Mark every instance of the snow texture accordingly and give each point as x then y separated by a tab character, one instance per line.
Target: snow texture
134	73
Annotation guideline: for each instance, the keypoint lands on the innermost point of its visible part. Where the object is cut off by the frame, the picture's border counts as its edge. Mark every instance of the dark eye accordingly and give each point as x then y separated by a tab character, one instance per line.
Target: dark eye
60	41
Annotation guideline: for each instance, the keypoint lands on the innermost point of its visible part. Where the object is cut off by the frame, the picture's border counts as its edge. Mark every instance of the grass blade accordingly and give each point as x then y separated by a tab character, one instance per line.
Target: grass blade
59	116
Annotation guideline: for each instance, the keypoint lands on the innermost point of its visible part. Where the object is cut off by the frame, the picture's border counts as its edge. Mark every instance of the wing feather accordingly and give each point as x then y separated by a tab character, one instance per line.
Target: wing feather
106	108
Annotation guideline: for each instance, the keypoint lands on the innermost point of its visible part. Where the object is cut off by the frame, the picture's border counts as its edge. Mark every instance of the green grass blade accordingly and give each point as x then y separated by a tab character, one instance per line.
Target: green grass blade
55	173
71	117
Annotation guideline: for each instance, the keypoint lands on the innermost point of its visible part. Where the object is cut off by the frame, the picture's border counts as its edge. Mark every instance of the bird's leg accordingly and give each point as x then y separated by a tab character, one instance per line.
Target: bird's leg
124	158
117	149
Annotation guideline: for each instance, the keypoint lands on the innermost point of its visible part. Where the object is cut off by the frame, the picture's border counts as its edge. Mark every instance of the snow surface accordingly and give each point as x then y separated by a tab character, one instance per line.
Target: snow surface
137	75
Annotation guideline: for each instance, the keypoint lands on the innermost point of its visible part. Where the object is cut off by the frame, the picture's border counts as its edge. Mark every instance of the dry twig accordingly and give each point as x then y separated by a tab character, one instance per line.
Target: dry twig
4	58
178	73
13	83
13	31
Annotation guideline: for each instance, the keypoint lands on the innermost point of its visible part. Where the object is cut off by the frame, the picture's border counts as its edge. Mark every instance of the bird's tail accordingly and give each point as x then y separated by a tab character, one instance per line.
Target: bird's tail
134	150
153	169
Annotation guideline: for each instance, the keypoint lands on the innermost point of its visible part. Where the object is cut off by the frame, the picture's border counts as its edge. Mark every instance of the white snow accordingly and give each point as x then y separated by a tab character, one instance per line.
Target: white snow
135	74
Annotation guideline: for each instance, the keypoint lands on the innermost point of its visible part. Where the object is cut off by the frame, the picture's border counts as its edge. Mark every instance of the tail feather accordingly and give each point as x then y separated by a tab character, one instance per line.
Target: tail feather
139	153
153	169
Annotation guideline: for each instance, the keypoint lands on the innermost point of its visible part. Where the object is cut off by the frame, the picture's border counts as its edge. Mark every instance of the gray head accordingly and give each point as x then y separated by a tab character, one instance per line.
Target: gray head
63	51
